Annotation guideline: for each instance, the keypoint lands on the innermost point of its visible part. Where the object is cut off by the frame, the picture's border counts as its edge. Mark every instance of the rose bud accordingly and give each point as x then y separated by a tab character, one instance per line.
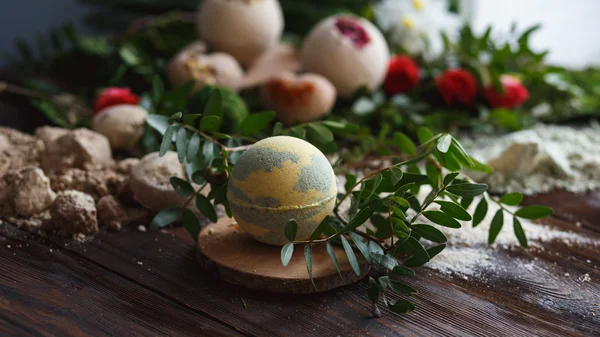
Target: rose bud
298	98
241	28
402	75
114	96
514	93
349	51
457	86
213	69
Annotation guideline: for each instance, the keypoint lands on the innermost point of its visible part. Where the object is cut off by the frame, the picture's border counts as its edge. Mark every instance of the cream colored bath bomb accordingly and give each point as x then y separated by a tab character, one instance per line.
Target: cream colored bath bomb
150	181
218	69
243	29
122	124
349	51
279	179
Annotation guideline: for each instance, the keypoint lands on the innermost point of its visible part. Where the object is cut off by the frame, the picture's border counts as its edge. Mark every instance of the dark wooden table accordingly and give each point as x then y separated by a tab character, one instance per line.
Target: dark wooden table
134	284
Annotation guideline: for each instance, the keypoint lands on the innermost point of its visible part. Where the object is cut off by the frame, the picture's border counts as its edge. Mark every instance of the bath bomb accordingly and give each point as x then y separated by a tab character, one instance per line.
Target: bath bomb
241	28
122	124
349	51
279	179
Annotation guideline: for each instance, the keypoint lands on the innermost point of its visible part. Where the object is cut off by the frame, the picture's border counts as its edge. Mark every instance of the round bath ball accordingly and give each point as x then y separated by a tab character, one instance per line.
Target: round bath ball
241	28
298	98
349	51
122	124
279	179
213	69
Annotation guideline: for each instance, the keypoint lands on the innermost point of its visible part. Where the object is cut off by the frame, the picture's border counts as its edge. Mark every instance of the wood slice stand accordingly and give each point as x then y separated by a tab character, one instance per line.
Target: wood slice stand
235	257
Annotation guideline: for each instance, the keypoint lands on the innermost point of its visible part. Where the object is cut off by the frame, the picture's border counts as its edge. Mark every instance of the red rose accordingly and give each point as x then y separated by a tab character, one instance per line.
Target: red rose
402	75
115	96
514	93
457	86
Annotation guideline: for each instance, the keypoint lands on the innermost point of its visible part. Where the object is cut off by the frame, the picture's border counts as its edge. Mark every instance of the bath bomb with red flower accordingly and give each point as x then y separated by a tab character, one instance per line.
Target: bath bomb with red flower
349	51
115	96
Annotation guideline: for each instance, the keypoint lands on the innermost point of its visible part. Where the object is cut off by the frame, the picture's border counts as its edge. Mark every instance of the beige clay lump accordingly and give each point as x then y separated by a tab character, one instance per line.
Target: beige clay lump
74	212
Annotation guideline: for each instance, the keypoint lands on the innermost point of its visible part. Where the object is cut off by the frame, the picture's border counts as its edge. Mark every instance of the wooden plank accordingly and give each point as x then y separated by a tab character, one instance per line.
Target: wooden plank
47	290
445	306
580	209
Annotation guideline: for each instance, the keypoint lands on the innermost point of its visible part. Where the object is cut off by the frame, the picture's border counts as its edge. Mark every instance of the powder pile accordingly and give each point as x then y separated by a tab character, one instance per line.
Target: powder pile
541	159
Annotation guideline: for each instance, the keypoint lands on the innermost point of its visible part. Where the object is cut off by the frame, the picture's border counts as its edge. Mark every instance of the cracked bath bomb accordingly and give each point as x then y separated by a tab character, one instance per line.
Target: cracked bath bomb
279	179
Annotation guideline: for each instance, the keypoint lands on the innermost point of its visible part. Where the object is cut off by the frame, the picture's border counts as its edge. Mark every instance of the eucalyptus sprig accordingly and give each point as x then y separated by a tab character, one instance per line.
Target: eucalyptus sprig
383	221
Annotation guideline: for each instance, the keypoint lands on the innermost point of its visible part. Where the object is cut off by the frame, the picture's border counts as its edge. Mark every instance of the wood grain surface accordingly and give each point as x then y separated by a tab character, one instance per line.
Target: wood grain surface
233	256
150	284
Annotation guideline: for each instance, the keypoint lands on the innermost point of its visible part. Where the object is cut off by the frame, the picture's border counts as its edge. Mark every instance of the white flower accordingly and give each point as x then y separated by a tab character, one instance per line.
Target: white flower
415	25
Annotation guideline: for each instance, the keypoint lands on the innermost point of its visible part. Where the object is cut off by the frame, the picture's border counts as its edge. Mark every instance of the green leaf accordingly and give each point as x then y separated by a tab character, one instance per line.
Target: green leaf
402	271
401	306
401	288
384	260
209	123
520	233
190	119
324	226
481	167
512	199
373	290
350	254
358	220
176	116
400	201
376	182
441	219
404	143
350	182
165	145
182	187
467	190
159	123
432	173
461	155
424	134
396	174
433	251
320	132
496	226
443	145
193	147
308	259
204	206
286	253
533	212
164	218
480	212
214	107
256	122
429	232
333	257
465	202
181	144
449	178
419	255
454	210
191	223
362	247
291	229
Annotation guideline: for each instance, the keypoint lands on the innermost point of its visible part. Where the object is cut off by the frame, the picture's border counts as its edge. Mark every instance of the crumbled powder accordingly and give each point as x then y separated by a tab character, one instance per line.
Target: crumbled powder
541	159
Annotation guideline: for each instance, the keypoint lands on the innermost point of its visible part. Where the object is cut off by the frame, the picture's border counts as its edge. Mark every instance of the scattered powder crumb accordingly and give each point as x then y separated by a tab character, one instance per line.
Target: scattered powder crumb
465	261
541	159
585	278
211	231
141	228
140	263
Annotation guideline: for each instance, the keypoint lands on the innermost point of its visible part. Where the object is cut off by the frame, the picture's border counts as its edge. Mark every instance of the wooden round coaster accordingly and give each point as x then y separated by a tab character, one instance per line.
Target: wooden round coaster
235	257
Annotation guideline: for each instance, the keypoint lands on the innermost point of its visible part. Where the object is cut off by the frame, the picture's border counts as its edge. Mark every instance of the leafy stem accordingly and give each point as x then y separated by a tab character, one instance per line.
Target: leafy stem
214	141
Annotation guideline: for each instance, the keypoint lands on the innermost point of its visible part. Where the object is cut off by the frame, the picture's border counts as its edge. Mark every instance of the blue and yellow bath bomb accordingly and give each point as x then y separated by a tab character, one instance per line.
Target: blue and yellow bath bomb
279	179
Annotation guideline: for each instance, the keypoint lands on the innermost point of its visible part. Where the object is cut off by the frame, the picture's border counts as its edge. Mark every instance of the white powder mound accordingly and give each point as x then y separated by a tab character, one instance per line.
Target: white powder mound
541	159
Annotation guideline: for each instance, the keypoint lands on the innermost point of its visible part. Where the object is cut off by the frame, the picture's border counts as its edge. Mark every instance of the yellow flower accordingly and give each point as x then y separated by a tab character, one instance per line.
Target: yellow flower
418	4
408	23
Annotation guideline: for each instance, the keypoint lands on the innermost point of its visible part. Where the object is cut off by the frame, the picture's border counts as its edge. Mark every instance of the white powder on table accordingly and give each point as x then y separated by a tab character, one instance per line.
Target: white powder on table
541	159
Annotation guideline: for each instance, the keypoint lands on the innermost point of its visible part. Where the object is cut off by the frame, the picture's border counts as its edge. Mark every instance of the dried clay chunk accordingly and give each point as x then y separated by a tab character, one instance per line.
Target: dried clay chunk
150	181
32	193
81	148
74	212
110	213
